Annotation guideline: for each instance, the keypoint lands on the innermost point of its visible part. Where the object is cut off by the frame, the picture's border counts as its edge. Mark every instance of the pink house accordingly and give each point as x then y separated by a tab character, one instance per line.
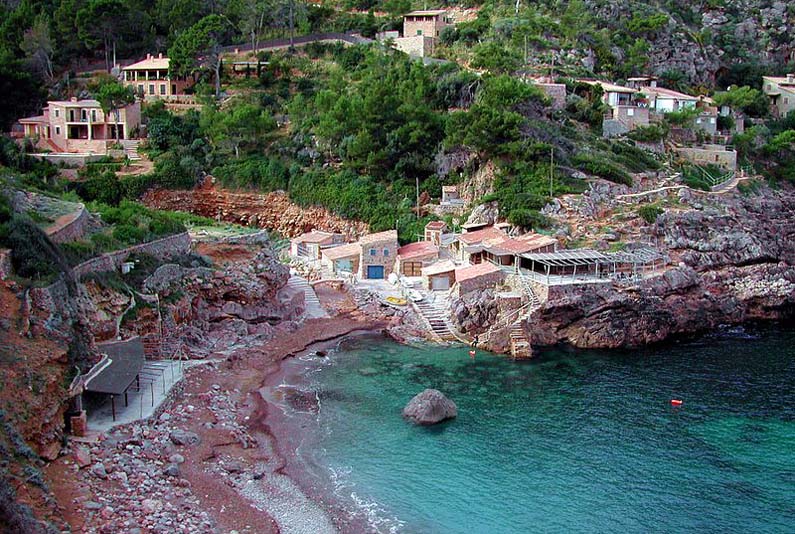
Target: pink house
150	78
80	126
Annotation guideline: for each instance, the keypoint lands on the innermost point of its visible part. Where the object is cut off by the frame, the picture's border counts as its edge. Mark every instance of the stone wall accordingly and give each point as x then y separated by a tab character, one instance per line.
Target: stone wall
71	230
161	248
726	159
416	45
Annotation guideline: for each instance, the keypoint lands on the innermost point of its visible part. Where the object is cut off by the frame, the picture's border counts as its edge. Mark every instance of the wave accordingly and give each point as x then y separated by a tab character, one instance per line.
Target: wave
377	516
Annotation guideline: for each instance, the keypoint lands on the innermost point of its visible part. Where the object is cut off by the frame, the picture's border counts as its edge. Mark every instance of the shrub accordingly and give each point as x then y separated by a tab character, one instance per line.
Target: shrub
650	212
602	168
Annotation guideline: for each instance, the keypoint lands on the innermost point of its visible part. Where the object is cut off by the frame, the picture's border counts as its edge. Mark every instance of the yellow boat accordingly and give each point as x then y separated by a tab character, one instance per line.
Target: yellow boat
396	301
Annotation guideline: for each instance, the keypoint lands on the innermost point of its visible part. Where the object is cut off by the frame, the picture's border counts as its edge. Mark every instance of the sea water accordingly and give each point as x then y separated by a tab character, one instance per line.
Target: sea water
572	441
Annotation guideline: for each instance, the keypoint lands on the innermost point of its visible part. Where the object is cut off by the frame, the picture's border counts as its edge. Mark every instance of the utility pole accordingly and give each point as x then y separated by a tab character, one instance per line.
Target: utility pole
417	178
292	22
551	168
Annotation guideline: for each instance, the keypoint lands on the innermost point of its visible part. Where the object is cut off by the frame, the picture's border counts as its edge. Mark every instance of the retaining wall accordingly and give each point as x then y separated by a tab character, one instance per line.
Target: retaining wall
166	247
72	230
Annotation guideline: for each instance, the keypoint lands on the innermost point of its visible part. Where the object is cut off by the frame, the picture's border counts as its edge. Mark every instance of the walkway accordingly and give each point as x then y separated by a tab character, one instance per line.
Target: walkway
302	40
314	310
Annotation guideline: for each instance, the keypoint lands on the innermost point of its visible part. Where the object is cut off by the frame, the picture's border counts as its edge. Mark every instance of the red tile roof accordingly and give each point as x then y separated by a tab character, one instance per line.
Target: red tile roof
389	235
420	249
474	271
315	236
343	251
435	225
478	236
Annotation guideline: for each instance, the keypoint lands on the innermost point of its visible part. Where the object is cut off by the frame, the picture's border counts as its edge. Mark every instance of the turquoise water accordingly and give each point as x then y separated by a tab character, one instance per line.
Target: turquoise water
582	441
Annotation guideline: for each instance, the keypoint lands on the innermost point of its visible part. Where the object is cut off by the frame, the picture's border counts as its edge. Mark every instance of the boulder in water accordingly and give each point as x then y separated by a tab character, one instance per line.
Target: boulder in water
430	407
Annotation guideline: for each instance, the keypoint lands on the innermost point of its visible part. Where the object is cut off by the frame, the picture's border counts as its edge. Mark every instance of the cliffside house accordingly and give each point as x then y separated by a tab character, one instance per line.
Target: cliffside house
493	245
475	277
555	91
434	231
664	100
80	126
421	29
310	245
150	78
439	276
378	253
413	257
343	259
627	110
781	91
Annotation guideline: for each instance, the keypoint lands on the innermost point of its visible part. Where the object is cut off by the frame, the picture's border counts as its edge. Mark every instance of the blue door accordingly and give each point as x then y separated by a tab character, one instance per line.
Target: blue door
375	272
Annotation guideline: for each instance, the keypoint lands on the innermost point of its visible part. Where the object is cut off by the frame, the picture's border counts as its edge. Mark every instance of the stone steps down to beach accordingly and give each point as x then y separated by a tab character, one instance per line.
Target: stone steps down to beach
436	315
313	308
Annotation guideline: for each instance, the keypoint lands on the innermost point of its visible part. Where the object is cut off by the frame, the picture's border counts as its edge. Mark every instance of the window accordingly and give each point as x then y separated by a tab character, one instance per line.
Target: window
162	88
712	120
386	252
57	130
630	113
419	32
372	252
140	88
786	100
151	88
56	112
93	115
698	121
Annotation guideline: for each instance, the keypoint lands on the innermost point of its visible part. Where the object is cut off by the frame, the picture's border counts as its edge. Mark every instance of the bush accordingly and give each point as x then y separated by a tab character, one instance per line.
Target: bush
650	212
602	168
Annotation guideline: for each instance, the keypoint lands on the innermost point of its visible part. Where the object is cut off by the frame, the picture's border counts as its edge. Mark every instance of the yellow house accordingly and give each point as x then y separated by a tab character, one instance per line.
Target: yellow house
150	79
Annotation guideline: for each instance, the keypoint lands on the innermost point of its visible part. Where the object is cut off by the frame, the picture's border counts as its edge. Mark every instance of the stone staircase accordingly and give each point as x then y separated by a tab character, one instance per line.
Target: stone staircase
520	344
313	308
435	314
131	149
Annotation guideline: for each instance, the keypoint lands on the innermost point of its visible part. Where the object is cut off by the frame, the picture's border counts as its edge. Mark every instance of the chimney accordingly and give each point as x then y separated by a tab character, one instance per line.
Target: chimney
73	99
653	83
790	78
148	56
160	55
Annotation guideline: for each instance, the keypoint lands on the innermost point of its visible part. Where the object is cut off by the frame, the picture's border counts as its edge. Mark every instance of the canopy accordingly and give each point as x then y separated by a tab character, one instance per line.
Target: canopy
116	372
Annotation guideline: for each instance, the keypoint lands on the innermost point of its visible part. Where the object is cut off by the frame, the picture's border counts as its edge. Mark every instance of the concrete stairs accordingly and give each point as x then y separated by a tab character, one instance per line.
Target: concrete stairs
520	344
131	149
313	308
436	316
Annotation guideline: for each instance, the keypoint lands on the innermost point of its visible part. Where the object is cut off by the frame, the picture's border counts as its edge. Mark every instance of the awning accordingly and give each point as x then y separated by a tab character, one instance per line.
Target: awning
114	374
567	258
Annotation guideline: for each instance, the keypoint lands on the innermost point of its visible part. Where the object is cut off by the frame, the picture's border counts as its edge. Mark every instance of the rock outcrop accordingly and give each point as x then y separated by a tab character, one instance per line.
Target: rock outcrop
430	407
273	211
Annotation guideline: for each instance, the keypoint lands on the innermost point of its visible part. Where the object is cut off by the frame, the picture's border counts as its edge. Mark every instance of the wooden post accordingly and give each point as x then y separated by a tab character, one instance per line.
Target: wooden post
113	406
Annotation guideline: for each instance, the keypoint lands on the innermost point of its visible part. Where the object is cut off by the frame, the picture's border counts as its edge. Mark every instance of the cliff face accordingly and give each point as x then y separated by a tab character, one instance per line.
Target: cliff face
272	211
699	40
736	262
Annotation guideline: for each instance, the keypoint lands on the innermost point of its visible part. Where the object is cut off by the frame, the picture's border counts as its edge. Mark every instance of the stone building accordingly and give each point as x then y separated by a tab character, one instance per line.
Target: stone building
413	257
781	91
378	254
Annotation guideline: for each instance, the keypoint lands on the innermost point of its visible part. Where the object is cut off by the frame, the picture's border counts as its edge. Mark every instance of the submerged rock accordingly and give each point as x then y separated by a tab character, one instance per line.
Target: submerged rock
430	407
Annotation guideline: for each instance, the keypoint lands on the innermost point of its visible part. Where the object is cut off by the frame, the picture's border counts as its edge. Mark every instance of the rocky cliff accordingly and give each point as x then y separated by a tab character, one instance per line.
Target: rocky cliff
272	211
734	262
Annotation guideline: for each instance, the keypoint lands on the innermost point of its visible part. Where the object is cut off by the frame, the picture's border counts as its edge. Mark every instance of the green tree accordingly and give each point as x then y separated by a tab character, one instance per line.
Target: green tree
495	58
38	46
243	125
113	96
202	40
102	22
745	99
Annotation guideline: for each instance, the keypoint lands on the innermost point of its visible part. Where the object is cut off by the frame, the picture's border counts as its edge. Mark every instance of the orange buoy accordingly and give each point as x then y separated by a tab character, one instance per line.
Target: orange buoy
471	353
676	402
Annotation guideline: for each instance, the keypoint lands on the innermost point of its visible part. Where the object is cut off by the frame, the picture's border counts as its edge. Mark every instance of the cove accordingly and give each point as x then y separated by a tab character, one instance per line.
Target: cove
573	441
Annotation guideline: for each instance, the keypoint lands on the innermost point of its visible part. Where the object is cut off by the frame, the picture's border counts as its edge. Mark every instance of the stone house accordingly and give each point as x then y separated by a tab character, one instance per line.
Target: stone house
708	154
80	126
439	276
467	249
421	30
150	79
413	257
664	100
627	108
378	254
434	231
343	259
555	91
474	277
781	92
310	244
